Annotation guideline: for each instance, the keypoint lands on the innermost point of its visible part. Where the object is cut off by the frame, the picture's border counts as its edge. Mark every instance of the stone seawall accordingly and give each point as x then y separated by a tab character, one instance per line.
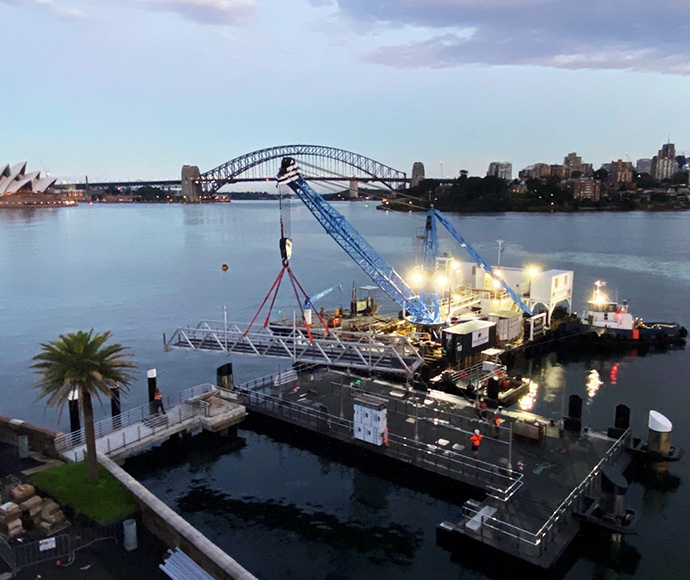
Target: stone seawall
175	531
41	439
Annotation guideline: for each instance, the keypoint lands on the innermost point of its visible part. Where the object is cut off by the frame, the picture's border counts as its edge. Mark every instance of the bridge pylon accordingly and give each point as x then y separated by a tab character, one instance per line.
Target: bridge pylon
191	188
354	189
417	173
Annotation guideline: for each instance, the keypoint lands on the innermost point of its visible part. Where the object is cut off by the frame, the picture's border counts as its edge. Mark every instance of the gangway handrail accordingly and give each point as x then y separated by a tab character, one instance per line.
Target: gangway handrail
67	441
391	353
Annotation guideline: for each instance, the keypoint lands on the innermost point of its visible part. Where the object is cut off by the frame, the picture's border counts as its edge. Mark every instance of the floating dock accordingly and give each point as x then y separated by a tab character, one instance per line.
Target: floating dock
535	475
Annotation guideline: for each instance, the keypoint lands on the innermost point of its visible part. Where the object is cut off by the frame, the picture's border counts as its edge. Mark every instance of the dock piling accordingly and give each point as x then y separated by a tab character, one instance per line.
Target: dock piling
73	404
152	380
573	422
659	439
225	377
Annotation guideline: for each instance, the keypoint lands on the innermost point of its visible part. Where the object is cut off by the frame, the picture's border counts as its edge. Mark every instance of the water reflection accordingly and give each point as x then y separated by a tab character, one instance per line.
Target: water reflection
614	374
380	543
593	383
527	402
28	214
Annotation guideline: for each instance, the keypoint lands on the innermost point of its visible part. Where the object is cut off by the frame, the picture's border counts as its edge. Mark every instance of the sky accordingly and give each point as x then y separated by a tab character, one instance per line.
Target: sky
134	89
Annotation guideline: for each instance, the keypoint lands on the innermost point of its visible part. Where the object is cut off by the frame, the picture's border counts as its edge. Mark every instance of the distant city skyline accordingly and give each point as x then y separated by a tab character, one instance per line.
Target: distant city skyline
137	88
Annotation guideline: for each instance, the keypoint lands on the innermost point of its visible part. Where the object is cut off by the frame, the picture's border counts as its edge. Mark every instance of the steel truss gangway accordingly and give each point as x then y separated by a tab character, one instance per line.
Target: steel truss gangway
390	353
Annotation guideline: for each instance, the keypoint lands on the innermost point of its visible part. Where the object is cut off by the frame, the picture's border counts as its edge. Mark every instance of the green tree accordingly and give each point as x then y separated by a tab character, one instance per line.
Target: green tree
148	193
81	360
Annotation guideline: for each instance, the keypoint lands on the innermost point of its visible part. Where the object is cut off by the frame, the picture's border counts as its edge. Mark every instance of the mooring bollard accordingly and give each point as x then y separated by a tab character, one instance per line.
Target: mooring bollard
115	405
224	376
151	375
659	439
73	404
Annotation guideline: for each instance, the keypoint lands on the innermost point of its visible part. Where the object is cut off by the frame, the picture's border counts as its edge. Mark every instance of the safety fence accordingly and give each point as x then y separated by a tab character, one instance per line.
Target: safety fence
61	547
134	425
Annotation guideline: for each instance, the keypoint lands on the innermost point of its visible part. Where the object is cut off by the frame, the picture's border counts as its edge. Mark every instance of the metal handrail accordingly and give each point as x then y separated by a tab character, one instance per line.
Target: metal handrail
535	538
455	462
68	441
568	501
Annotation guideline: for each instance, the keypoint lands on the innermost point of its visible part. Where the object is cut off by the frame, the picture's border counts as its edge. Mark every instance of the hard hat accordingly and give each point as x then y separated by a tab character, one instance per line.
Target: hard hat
476	431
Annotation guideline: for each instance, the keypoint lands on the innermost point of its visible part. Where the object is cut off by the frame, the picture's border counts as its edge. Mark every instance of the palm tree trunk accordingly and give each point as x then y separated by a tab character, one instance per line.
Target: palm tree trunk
90	433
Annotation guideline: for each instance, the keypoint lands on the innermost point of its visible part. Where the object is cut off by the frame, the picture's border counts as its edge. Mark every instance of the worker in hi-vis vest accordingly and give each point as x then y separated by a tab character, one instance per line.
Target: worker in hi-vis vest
476	440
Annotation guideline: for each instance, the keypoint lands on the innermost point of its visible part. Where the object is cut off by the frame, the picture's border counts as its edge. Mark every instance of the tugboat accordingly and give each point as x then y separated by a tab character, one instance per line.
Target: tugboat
609	322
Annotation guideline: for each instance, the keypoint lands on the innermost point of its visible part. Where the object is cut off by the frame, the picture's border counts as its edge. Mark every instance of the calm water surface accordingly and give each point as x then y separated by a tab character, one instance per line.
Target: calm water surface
288	511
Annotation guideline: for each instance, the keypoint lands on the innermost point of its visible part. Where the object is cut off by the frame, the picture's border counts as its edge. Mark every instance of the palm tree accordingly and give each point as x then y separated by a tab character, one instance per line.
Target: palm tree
81	361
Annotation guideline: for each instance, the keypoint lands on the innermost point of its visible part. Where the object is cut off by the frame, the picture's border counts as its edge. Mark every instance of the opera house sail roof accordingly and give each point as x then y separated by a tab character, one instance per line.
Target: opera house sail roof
15	179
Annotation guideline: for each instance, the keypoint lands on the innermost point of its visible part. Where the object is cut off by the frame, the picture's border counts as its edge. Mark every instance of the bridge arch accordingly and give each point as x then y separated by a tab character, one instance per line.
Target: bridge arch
337	161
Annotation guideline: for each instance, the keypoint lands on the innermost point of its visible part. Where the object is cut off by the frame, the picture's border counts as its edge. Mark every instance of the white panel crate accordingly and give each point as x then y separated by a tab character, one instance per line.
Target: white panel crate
370	422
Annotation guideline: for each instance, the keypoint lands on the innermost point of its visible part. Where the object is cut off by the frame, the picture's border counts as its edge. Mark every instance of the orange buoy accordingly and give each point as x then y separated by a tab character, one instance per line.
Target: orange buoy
225	267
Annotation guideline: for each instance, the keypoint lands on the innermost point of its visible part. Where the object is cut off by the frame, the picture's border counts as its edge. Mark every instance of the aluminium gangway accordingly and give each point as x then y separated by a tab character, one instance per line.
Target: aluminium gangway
390	353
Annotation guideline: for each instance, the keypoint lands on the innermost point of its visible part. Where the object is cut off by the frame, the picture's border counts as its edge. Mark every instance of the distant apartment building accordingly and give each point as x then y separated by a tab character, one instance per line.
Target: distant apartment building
585	188
664	163
572	160
572	163
644	166
536	170
501	169
562	171
621	172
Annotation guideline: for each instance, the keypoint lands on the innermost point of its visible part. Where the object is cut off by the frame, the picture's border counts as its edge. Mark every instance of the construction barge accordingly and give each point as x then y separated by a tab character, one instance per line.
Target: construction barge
539	479
409	388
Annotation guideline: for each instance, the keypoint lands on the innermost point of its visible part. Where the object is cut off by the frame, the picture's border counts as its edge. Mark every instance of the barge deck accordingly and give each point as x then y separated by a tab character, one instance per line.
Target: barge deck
534	475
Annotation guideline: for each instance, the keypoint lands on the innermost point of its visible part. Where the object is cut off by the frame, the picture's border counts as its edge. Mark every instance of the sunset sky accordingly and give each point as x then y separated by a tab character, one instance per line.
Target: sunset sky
134	89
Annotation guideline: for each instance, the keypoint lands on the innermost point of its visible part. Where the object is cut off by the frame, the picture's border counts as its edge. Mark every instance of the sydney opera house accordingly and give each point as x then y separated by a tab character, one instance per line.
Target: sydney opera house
20	189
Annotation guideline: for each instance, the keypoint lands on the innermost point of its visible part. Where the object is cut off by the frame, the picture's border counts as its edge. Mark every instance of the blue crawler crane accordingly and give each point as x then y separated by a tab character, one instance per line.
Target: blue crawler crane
421	309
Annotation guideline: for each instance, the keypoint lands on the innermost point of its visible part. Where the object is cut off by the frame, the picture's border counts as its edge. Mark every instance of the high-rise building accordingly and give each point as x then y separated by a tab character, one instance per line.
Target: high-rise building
536	170
585	188
572	160
562	171
664	163
621	171
501	169
644	166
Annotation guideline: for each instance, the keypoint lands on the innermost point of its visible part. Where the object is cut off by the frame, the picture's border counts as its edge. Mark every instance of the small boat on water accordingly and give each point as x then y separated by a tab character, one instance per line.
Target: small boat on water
607	322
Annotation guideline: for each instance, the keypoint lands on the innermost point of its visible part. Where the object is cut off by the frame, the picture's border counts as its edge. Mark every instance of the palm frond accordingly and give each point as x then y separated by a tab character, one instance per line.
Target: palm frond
82	359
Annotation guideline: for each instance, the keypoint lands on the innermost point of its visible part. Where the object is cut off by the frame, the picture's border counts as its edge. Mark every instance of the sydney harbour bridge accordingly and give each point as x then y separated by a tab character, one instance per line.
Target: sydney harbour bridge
319	164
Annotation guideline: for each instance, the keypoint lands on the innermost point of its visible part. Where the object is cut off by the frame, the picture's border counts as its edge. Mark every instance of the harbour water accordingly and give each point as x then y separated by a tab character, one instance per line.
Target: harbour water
307	511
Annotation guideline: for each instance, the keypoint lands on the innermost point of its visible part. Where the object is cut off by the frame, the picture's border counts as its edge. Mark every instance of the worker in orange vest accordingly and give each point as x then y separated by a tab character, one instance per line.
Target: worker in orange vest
476	441
158	402
497	424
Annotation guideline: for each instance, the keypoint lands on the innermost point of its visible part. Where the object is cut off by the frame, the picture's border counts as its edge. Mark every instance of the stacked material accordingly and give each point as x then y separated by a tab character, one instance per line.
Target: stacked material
31	508
22	492
52	518
27	508
11	520
178	565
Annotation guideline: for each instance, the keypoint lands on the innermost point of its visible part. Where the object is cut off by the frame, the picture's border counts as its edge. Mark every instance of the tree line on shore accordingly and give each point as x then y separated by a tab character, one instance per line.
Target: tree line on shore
493	194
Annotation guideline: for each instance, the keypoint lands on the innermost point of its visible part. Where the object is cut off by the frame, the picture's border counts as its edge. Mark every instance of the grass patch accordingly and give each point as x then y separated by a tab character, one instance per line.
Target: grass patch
105	502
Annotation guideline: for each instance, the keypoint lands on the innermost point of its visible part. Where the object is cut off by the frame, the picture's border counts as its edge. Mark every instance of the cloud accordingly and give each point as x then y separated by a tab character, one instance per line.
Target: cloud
215	12
634	35
58	9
